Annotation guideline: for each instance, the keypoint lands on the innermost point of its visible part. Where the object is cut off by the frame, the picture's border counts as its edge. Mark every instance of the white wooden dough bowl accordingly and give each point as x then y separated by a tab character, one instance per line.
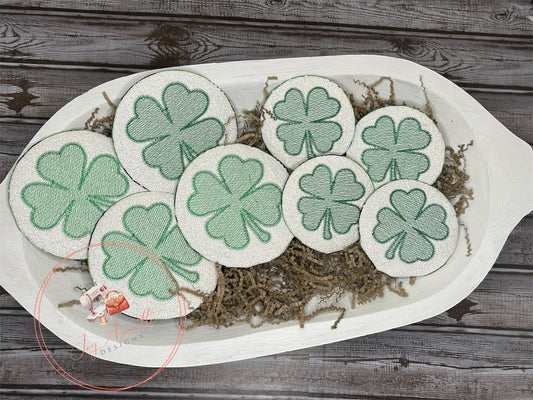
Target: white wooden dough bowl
500	166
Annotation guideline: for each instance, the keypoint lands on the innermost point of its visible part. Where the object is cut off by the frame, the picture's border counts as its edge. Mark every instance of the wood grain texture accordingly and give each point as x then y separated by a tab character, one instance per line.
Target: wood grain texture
38	92
8	302
6	162
503	301
157	42
491	17
15	133
518	249
394	363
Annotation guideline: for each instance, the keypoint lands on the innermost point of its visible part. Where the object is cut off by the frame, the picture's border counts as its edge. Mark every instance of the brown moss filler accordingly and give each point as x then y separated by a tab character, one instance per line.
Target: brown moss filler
278	291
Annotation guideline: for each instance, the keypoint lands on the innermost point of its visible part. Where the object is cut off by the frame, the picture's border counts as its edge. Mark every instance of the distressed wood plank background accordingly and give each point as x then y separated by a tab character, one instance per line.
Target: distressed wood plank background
52	51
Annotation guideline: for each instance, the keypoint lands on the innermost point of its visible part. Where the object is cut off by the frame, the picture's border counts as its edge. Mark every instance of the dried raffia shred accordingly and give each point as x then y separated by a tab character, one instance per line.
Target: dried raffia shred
102	125
68	303
278	291
82	266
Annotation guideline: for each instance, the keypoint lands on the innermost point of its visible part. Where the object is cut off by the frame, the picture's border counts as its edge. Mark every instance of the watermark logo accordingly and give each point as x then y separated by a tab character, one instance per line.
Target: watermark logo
115	335
114	339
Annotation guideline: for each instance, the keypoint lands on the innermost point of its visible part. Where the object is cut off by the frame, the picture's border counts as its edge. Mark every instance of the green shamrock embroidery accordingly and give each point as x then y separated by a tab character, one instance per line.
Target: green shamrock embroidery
307	123
74	193
152	229
236	201
174	132
394	149
411	226
330	200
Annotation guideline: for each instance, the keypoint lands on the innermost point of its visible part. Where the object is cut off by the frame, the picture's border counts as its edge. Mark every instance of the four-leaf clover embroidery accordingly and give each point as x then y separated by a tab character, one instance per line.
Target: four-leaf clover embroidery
236	201
307	121
410	225
73	192
174	132
330	201
394	150
151	229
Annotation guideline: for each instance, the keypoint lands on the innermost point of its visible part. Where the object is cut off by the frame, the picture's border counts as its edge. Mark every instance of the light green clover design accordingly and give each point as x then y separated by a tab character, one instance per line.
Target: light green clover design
410	225
330	201
153	230
73	192
394	150
307	121
174	132
236	201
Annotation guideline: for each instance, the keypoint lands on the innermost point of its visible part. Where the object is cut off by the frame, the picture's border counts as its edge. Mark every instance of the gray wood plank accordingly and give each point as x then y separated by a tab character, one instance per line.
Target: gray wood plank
518	249
38	92
15	133
7	301
394	363
494	17
512	108
14	393
160	41
501	301
6	162
73	394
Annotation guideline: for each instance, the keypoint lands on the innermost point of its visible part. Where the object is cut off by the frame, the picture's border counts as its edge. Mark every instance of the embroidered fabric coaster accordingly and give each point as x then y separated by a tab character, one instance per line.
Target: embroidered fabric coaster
62	185
228	203
307	116
322	202
146	221
166	120
408	228
398	142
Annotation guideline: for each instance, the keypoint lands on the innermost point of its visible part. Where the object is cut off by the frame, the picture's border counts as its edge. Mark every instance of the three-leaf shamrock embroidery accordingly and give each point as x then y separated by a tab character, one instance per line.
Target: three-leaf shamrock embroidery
330	201
236	202
153	230
73	192
394	150
307	122
410	225
174	131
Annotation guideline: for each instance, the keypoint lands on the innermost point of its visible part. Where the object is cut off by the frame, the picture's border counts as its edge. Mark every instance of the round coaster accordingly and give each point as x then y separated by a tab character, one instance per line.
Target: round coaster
322	202
228	203
146	221
398	142
307	116
62	185
408	228
166	120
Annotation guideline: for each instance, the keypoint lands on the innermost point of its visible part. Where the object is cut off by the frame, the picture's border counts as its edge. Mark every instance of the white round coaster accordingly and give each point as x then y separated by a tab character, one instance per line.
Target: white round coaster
62	185
408	228
228	203
146	221
322	202
398	142
166	120
307	116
